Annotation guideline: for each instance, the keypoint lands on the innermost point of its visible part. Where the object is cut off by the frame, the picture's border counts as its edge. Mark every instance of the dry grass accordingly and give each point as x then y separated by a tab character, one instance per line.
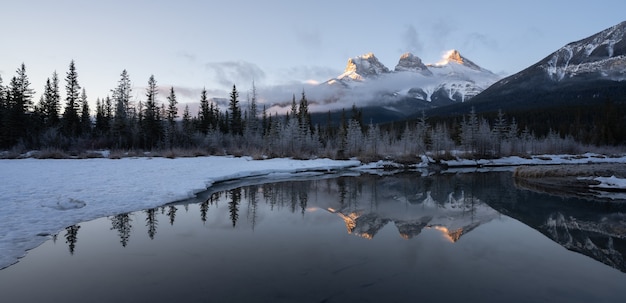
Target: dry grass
51	153
574	170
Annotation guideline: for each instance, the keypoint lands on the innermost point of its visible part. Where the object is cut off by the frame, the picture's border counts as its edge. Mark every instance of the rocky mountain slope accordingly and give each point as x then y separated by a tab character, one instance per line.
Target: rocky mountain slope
587	71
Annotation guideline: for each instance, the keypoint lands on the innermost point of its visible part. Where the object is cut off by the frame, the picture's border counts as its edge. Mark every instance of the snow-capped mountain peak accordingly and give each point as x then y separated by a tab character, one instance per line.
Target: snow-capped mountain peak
365	66
411	63
413	86
453	56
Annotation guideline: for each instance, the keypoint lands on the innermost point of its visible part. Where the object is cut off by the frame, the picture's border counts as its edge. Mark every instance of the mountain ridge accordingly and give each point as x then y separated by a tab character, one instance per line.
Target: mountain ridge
451	80
586	71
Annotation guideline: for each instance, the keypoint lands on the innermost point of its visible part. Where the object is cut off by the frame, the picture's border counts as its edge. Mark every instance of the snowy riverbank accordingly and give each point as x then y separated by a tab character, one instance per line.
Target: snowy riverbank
39	198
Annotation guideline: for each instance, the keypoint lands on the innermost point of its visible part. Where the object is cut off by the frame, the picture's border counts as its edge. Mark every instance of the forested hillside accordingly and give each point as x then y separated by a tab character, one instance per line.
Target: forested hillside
60	127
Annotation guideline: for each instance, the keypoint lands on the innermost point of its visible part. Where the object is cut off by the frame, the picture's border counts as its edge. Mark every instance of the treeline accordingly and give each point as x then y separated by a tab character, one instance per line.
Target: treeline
121	123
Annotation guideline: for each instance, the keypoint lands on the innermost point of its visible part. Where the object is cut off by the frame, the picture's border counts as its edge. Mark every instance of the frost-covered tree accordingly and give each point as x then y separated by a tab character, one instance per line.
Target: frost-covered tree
469	131
499	133
252	122
354	138
373	139
441	143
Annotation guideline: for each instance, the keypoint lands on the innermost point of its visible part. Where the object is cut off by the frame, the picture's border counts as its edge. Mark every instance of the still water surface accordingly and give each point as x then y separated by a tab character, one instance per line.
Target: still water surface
400	238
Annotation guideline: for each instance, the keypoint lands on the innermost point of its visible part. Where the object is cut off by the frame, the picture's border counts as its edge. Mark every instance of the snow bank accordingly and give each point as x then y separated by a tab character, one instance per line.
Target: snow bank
41	197
588	158
611	183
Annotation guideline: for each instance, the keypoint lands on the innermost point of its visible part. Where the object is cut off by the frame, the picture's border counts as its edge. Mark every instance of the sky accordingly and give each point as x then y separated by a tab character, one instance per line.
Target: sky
283	46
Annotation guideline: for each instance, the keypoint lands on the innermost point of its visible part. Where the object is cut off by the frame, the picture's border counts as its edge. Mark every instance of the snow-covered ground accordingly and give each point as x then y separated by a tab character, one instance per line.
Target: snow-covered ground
39	198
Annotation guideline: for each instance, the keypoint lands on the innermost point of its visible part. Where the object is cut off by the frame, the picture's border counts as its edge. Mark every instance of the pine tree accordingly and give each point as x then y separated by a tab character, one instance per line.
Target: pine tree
171	115
152	129
187	125
252	123
499	132
121	127
51	101
304	118
99	118
205	113
294	107
71	119
85	116
18	105
236	124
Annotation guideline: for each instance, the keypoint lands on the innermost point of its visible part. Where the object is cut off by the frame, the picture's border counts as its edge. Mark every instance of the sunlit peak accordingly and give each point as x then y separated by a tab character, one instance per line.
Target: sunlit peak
451	55
406	56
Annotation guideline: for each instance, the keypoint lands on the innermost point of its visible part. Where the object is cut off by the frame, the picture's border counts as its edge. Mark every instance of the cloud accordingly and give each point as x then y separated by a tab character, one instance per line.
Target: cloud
189	57
309	39
440	31
228	73
306	73
323	97
474	40
412	42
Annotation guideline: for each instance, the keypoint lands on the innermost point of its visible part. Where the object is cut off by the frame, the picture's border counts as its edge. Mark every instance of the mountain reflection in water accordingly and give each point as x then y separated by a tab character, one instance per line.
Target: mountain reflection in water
367	238
451	204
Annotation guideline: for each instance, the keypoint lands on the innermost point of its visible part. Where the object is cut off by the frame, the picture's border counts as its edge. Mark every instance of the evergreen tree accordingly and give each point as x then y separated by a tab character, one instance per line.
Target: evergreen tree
252	123
3	110
187	125
51	102
357	115
236	123
171	115
18	106
294	107
499	132
85	116
71	119
205	113
304	118
151	124
103	116
121	127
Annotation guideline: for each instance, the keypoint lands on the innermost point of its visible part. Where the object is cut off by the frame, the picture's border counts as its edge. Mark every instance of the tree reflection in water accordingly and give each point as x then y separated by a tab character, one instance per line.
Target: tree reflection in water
453	204
122	223
71	236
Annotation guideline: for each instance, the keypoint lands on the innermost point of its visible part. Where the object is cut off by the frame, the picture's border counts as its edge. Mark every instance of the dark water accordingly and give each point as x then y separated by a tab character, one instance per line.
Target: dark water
400	238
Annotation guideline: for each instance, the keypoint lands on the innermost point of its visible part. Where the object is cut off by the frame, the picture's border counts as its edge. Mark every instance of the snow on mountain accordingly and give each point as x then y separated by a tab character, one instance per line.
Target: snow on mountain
453	79
411	63
362	67
450	217
583	72
603	54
